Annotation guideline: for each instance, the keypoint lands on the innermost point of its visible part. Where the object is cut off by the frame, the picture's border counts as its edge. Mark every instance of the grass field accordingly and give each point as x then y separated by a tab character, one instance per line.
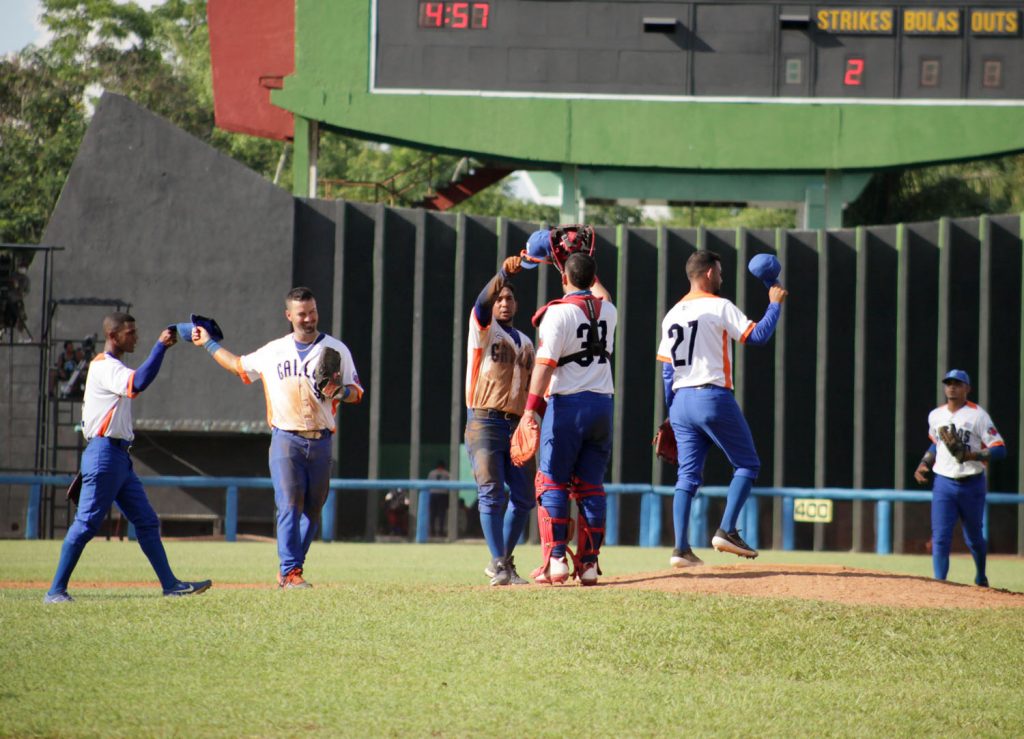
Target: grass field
401	640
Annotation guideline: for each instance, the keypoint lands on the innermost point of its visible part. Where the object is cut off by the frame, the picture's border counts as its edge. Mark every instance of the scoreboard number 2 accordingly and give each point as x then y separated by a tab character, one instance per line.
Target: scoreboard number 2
854	76
812	510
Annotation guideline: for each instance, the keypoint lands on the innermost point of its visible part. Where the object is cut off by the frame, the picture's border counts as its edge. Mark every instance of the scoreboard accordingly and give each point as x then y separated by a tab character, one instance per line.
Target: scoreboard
905	53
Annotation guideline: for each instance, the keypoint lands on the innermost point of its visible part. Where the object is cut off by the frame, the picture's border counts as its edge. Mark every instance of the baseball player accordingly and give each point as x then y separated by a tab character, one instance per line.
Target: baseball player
301	417
964	439
107	473
575	341
498	367
696	351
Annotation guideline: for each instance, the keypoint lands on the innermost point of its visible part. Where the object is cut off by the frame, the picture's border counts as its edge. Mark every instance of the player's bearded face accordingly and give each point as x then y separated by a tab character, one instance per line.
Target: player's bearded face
715	278
505	305
303	317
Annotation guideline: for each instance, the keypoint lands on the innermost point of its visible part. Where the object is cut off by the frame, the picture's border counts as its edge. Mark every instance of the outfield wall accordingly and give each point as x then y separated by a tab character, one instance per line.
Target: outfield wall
839	399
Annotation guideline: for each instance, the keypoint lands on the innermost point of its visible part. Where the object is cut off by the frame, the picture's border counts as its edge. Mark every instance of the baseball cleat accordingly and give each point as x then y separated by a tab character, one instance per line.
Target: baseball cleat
514	578
292	580
731	542
981	582
501	574
189	588
588	575
685	558
490	570
556	573
58	598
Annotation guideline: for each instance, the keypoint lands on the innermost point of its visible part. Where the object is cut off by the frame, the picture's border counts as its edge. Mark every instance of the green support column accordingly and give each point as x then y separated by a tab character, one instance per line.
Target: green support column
304	162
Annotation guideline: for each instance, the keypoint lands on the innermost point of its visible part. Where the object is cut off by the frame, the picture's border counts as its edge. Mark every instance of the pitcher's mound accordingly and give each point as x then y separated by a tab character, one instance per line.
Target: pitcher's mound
820	582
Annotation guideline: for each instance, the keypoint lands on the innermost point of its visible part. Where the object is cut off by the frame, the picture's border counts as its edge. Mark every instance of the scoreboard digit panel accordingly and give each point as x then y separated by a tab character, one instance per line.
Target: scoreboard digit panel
746	50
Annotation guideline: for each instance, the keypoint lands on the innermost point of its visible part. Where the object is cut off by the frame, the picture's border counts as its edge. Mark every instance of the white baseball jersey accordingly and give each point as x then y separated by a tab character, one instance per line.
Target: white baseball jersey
497	368
107	407
974	427
563	331
696	339
293	403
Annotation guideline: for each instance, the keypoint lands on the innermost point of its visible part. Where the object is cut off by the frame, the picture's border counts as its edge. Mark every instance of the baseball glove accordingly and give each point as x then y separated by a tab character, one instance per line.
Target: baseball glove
665	444
327	375
75	489
953	443
525	439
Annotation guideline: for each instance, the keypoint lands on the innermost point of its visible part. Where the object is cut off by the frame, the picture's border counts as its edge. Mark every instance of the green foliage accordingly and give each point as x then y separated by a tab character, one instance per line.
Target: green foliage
390	644
953	190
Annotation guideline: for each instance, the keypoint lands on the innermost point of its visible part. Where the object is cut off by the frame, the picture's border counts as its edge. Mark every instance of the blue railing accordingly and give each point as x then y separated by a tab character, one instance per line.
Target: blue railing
650	507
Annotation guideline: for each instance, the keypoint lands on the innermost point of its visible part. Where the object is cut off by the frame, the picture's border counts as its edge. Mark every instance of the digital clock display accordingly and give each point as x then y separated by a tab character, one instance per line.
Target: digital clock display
458	15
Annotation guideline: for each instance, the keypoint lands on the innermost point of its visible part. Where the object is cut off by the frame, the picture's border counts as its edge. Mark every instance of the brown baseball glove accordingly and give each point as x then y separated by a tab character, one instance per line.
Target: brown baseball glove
953	443
327	375
525	439
665	444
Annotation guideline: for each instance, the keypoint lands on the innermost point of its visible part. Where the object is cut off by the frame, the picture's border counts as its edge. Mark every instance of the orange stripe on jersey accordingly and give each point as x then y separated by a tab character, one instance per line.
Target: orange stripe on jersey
666	360
131	386
695	294
99	357
547	362
726	367
750	330
932	439
105	423
266	396
971	405
996	443
474	372
242	374
357	392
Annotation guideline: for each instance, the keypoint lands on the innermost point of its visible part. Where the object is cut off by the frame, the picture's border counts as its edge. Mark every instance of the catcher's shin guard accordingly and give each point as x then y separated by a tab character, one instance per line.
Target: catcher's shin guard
590	538
546	528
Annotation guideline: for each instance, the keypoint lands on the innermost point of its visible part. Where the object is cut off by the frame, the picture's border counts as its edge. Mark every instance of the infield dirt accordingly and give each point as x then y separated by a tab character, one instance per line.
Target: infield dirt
830	583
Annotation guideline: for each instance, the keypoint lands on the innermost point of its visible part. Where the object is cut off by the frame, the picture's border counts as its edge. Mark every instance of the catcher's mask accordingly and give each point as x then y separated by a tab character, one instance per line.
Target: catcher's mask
569	239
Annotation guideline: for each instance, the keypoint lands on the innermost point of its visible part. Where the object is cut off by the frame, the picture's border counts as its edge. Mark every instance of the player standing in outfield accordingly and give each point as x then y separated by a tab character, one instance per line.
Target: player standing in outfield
301	417
696	349
964	439
498	367
107	473
575	341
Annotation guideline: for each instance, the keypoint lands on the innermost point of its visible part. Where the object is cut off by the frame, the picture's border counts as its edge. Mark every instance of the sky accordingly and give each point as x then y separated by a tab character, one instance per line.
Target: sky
20	25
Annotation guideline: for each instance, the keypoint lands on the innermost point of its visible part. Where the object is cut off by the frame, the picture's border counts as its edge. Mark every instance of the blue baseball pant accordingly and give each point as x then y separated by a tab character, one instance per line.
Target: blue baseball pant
301	472
701	417
964	500
575	441
502	516
107	478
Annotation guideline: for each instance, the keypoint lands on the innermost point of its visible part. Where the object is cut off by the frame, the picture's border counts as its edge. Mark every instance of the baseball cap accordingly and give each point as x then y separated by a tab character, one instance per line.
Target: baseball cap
959	375
766	268
185	329
538	249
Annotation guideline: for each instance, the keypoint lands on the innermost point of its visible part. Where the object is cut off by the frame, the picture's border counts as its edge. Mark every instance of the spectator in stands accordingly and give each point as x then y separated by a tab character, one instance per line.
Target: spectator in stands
438	500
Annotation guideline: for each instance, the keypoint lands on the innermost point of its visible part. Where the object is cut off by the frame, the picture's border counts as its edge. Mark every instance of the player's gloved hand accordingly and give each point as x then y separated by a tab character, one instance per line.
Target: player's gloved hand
953	443
327	375
526	438
512	265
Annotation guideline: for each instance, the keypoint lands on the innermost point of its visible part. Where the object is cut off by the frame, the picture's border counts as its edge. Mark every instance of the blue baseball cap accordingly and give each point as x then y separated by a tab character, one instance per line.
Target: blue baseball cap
185	329
538	249
958	375
766	268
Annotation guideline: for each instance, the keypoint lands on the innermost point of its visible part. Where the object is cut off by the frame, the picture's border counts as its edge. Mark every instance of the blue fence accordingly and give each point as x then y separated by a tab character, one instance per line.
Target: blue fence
650	508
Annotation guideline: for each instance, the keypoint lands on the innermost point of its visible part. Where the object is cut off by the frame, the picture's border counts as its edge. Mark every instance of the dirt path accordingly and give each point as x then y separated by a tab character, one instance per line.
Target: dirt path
808	582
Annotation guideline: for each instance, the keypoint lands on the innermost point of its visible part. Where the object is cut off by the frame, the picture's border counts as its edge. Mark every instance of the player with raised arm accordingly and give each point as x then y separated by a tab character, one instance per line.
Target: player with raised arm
573	369
107	475
964	439
306	375
696	349
498	366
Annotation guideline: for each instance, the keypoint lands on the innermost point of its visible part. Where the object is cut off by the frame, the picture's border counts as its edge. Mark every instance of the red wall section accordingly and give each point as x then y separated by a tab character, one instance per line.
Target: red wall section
252	49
